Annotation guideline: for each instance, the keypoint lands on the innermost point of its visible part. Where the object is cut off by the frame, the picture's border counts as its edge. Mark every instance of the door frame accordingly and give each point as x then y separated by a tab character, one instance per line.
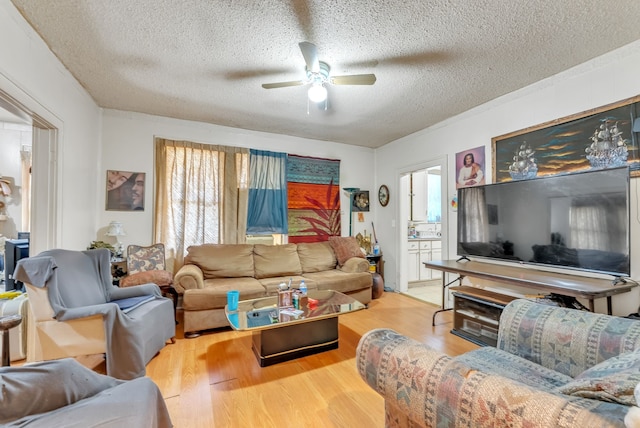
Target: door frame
45	217
403	215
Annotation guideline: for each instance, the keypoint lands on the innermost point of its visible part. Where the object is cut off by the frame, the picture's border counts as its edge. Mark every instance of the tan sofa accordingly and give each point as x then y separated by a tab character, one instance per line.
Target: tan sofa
210	270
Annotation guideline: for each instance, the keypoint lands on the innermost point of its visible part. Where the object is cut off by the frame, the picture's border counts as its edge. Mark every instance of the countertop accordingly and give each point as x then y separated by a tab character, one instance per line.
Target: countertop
426	238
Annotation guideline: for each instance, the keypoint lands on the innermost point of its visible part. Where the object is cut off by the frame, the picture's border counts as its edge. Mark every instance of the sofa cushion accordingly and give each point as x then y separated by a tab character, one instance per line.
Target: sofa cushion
316	256
161	278
345	247
339	281
222	260
276	260
214	293
612	380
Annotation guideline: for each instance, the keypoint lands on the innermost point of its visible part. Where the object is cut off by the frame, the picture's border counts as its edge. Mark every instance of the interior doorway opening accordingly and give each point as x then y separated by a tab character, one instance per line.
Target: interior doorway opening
34	182
423	228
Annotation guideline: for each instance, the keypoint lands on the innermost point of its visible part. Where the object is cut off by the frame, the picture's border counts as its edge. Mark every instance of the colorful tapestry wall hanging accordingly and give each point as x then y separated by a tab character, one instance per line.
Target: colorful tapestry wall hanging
313	187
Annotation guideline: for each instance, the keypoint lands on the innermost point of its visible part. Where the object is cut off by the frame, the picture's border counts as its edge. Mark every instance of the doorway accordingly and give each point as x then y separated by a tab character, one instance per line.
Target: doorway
422	233
37	185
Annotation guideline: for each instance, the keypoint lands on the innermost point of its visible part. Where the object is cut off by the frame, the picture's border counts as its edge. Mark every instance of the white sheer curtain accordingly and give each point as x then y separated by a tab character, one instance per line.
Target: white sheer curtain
25	161
475	224
201	196
596	226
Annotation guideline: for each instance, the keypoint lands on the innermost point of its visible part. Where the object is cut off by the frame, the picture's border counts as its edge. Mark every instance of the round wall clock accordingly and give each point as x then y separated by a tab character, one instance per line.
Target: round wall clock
383	195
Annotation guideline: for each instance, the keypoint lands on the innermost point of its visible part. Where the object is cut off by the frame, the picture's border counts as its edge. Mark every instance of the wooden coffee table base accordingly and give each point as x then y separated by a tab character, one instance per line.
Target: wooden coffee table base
278	344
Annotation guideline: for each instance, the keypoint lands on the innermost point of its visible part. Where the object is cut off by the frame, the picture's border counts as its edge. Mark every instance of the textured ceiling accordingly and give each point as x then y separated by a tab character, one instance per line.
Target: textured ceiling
206	60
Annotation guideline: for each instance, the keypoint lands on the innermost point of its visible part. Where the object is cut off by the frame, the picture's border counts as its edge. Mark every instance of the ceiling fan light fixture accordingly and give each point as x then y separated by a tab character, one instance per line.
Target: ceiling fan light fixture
317	93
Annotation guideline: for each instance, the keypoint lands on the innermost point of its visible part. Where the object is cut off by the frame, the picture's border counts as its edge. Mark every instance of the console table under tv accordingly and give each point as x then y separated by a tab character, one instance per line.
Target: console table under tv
547	282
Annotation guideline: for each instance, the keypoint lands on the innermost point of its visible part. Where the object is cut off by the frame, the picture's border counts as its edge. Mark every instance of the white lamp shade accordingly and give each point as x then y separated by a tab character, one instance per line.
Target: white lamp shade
317	93
115	229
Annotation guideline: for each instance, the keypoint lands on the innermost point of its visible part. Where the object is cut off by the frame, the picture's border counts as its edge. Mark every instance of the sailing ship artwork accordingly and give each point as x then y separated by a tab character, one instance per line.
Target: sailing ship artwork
608	148
578	143
524	163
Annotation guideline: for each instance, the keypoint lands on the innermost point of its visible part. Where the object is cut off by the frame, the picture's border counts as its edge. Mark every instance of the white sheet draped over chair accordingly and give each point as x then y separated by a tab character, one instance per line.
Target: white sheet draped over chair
72	299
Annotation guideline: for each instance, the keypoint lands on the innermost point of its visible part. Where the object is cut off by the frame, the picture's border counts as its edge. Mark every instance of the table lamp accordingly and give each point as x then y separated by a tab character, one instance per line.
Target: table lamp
115	229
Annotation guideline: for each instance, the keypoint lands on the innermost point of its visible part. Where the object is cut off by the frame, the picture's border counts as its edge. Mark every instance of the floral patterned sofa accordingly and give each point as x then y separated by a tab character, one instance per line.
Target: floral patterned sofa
553	367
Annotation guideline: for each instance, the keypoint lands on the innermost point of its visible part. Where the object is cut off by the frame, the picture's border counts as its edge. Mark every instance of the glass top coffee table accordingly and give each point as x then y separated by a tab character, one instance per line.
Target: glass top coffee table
282	334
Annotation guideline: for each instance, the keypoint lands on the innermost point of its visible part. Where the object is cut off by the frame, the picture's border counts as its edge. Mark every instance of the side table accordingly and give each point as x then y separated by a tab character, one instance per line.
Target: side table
377	259
6	323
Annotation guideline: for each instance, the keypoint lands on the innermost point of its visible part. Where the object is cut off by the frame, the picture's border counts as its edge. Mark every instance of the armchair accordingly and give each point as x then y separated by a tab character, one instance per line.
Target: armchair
147	265
76	312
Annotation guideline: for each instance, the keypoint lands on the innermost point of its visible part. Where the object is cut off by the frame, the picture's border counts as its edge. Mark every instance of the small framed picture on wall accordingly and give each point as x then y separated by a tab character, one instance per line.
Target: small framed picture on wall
125	191
360	201
470	168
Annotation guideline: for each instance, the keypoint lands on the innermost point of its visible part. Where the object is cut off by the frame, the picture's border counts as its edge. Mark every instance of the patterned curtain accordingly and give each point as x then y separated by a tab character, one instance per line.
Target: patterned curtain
267	212
313	185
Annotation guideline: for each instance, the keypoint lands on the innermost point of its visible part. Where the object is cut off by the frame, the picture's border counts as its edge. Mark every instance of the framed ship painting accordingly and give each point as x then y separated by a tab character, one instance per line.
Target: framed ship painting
594	139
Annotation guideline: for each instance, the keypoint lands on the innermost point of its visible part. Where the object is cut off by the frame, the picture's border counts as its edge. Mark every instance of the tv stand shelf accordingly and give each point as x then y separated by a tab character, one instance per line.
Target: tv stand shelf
476	314
546	282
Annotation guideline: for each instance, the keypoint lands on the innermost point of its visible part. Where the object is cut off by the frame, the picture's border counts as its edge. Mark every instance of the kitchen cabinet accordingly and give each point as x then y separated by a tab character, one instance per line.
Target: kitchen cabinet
421	251
413	261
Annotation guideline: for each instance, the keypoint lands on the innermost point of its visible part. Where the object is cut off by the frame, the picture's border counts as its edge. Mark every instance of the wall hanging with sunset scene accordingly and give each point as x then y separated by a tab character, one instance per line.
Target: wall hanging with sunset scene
313	186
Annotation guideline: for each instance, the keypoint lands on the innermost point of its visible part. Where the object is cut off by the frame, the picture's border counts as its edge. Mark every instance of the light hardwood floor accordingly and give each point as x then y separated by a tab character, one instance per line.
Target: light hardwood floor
215	380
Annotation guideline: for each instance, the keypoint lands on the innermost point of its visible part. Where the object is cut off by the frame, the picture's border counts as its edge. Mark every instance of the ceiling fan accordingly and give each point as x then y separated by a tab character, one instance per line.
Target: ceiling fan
318	75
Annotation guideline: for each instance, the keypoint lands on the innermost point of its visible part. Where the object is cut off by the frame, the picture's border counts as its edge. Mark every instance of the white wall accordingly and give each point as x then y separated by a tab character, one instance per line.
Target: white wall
606	79
32	75
128	140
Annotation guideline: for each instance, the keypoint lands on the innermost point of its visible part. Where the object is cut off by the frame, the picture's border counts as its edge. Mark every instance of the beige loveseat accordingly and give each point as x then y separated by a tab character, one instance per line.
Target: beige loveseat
210	270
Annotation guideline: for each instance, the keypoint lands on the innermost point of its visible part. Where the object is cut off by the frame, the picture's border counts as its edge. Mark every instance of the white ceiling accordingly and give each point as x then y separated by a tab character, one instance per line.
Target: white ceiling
206	60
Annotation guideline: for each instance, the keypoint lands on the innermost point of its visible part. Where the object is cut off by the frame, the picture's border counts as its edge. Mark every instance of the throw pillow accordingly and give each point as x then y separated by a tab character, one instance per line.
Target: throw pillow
160	277
612	380
345	247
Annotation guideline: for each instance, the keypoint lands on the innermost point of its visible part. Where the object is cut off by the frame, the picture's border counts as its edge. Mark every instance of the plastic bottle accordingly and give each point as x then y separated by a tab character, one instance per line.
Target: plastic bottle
303	287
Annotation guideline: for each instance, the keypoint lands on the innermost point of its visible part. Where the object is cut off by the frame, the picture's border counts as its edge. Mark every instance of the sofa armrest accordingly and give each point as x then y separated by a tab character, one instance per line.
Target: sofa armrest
426	388
563	339
355	265
189	277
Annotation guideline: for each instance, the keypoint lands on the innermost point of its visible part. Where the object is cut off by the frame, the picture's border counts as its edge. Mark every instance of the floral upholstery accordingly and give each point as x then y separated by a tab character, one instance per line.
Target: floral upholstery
491	387
146	265
142	259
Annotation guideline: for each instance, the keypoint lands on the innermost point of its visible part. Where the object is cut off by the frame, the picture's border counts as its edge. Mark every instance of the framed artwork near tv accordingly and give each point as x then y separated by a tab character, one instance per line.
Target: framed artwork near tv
125	191
470	168
594	139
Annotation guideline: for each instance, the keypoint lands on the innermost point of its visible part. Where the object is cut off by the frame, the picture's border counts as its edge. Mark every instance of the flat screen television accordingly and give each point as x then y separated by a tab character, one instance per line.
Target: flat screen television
577	221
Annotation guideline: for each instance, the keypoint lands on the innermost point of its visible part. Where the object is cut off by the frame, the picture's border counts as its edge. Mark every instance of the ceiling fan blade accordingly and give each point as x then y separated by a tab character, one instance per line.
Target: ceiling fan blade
354	79
283	84
310	54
